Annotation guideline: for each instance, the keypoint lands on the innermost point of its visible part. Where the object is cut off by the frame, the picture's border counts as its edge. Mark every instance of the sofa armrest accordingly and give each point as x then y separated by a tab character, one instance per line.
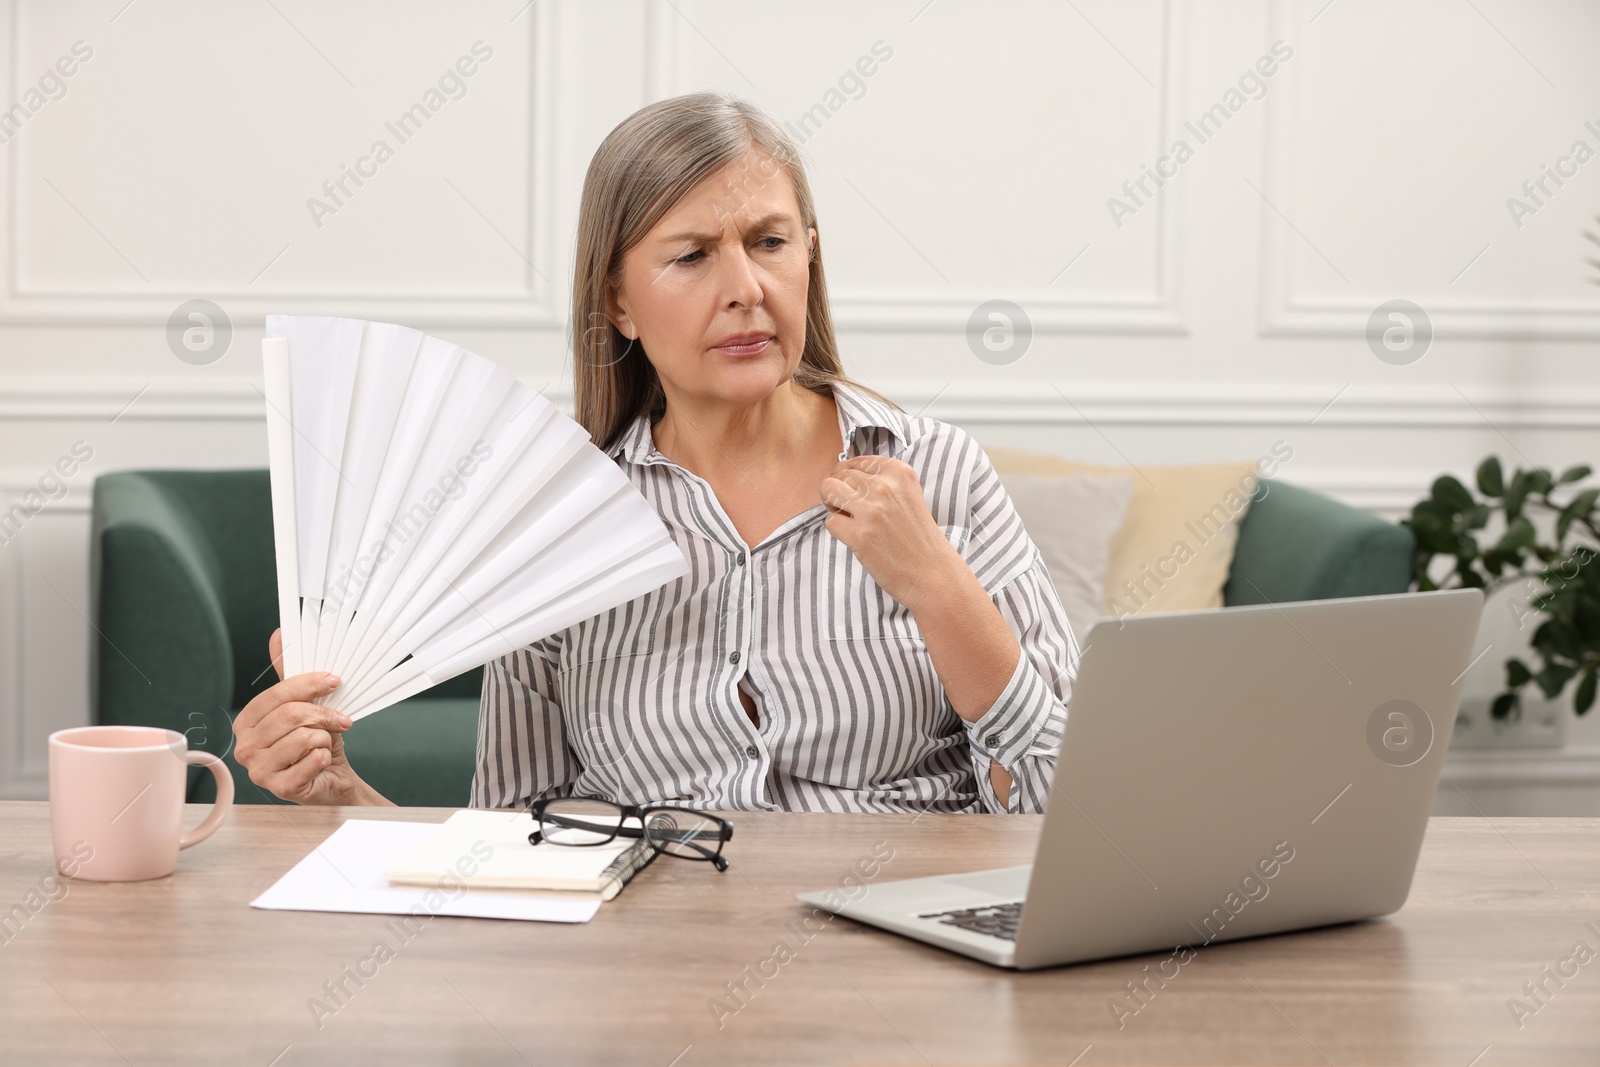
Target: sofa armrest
161	654
1298	545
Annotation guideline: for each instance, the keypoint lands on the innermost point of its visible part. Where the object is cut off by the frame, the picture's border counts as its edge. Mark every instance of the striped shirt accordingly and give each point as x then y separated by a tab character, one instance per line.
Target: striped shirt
641	703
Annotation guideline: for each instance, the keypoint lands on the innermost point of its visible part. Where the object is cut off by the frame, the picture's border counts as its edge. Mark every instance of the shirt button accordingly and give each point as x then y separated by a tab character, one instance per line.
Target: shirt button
733	657
752	751
740	559
991	742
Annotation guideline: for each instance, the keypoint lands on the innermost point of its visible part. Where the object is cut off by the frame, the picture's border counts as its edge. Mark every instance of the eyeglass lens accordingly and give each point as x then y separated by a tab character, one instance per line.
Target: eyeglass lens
684	833
579	822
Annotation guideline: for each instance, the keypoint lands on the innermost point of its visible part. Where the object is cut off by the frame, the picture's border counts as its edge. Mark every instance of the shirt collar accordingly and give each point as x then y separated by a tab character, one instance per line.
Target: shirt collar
860	411
857	411
634	443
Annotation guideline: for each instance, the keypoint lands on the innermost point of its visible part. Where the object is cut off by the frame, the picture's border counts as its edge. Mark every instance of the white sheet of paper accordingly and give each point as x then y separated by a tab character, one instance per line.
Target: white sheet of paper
345	873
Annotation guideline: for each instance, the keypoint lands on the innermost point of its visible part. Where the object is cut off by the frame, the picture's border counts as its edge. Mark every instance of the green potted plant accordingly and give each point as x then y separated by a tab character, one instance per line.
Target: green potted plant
1566	643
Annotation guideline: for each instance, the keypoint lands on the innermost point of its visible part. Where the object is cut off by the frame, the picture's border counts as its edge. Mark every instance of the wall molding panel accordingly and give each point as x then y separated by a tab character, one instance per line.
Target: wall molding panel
1132	402
539	305
1287	312
1158	313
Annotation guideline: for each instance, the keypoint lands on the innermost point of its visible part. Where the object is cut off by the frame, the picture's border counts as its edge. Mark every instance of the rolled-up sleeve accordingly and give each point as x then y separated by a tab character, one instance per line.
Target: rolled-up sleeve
522	739
1022	729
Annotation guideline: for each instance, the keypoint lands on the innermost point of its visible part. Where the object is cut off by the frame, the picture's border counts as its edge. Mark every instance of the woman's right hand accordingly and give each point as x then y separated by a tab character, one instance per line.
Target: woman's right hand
294	748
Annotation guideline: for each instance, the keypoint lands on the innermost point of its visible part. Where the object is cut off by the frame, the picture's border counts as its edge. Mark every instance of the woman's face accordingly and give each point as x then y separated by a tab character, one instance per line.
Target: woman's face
716	291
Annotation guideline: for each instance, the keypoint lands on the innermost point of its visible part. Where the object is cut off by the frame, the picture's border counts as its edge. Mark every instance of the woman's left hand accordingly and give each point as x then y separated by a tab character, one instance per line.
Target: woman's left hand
880	513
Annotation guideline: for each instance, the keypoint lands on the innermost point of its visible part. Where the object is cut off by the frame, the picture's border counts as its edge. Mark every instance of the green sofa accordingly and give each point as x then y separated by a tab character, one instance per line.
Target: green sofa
184	593
184	599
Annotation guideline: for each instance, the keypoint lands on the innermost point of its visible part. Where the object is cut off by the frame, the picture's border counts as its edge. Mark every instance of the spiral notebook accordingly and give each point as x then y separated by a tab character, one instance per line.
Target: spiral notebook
486	849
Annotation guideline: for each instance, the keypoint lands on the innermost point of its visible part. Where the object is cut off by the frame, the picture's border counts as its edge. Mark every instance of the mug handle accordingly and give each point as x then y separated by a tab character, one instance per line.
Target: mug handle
219	808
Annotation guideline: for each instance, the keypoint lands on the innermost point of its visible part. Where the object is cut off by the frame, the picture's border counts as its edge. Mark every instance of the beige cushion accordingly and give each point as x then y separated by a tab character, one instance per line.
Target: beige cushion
1073	518
1176	543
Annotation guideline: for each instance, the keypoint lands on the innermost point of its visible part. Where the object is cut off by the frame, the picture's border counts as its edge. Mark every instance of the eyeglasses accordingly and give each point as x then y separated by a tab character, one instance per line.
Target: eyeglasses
583	823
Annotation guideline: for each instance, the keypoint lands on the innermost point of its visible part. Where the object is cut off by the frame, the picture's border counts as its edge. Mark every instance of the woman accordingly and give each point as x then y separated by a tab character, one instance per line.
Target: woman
847	637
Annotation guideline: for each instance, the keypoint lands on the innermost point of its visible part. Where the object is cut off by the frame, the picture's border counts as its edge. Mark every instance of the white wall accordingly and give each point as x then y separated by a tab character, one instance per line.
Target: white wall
974	163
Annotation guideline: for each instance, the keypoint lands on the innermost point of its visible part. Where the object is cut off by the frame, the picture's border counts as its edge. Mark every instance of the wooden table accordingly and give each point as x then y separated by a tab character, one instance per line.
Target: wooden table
181	970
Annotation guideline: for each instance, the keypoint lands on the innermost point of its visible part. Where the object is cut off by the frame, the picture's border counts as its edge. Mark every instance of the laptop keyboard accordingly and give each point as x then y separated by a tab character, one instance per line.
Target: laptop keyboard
996	920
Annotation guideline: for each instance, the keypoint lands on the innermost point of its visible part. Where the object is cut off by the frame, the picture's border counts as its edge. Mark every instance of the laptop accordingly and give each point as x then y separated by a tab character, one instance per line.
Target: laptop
1223	774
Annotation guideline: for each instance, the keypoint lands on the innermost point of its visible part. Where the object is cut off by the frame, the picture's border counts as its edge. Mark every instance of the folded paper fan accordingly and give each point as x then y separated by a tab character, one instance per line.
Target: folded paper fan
431	513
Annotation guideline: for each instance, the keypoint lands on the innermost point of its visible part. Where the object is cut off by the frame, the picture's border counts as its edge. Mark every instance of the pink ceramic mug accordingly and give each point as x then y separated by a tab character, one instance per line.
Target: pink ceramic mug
119	790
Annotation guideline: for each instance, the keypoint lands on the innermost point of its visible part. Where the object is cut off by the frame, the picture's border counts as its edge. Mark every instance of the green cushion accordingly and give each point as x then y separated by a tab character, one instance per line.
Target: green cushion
1298	545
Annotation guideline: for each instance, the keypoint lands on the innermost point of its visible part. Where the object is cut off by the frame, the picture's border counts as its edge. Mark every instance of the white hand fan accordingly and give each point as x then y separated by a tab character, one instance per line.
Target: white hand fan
432	513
